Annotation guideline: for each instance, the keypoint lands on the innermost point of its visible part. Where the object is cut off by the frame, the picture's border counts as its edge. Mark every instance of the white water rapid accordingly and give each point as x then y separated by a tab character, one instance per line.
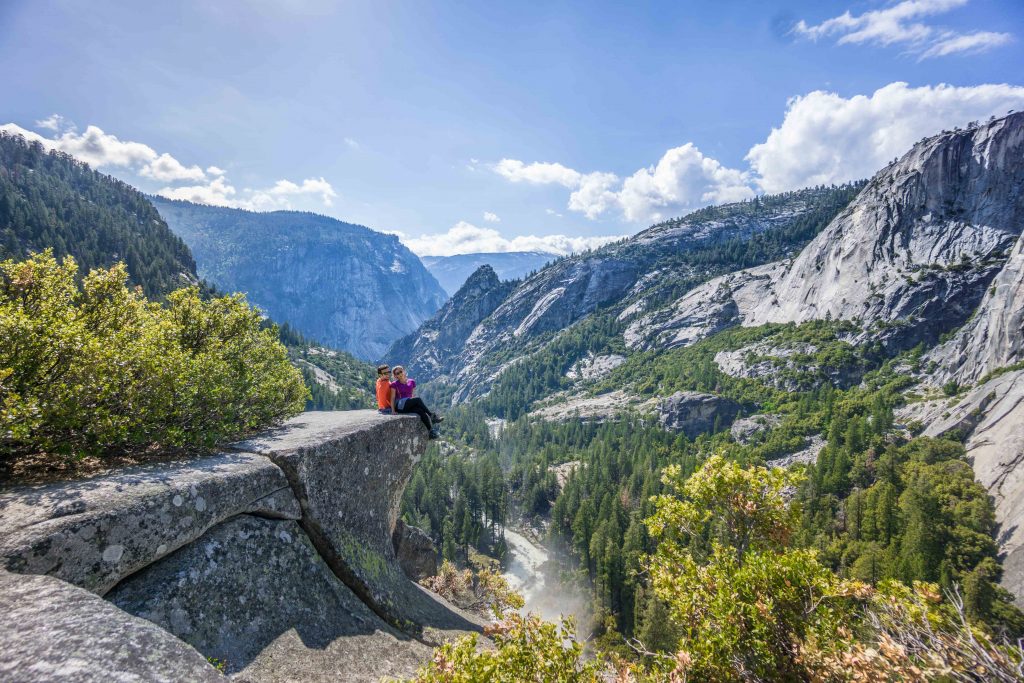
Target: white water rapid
525	574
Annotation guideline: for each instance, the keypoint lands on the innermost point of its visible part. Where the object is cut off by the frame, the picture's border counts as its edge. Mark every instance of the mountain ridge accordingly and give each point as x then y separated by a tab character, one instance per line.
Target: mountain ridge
341	284
49	200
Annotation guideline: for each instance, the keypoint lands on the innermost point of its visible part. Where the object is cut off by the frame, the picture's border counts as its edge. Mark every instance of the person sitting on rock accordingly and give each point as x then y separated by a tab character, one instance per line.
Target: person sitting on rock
404	402
384	390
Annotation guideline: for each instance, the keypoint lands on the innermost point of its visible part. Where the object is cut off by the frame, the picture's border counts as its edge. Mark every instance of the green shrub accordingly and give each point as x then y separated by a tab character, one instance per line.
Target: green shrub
98	369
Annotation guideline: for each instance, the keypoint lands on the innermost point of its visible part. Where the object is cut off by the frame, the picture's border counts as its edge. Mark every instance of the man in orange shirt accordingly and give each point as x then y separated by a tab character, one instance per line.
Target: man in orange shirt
384	390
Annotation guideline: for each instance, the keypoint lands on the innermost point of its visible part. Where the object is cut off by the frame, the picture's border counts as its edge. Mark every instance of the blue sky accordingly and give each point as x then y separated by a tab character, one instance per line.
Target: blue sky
478	126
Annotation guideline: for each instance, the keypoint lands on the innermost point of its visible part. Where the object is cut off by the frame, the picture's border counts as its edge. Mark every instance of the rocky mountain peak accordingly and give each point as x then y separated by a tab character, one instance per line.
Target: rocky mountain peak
482	280
426	351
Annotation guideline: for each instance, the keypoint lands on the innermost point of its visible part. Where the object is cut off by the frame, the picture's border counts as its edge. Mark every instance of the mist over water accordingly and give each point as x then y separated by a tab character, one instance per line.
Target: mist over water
530	574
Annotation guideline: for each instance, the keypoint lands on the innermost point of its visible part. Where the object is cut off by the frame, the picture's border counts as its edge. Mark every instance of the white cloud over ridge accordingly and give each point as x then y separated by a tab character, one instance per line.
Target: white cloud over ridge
491	217
824	138
166	168
683	179
901	24
102	150
466	238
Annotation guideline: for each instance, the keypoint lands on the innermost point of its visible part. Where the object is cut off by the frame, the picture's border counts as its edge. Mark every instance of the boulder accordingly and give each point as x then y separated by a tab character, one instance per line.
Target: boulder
254	594
416	553
693	413
329	455
592	367
53	631
95	532
808	455
745	429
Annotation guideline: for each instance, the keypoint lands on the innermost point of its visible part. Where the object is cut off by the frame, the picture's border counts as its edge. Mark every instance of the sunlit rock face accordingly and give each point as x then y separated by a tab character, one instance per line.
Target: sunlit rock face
921	242
912	257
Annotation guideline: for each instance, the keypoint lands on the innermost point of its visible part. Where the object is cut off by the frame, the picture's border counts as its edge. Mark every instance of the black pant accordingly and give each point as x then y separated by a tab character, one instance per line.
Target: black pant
416	405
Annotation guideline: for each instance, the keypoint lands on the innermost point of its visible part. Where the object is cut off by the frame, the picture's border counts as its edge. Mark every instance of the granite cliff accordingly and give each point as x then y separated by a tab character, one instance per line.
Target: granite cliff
274	558
429	348
340	284
910	259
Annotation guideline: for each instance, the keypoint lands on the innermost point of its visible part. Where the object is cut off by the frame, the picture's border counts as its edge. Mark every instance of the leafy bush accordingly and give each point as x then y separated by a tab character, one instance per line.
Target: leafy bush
484	592
526	649
95	369
752	607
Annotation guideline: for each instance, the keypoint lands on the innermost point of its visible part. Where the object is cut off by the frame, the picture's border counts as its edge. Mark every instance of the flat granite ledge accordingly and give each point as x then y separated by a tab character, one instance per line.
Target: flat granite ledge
315	428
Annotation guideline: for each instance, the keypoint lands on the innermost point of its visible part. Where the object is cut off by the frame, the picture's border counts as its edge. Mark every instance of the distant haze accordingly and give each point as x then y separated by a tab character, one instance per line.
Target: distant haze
452	271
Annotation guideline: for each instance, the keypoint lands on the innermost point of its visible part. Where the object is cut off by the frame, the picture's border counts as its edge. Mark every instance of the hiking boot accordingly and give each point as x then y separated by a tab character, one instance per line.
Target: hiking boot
435	434
437	419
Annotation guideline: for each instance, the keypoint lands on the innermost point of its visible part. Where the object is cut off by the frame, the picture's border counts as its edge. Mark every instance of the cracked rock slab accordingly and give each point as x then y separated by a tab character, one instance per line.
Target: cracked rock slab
253	593
95	532
53	631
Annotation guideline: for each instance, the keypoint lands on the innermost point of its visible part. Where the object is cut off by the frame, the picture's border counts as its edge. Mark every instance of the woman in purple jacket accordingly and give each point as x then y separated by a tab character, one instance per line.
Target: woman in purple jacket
403	401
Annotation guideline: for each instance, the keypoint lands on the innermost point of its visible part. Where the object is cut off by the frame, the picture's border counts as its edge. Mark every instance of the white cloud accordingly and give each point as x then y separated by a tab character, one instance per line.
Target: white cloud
166	168
55	122
15	129
825	138
217	193
103	150
314	186
99	149
979	41
900	24
552	212
466	238
594	194
682	180
352	144
214	170
491	217
538	173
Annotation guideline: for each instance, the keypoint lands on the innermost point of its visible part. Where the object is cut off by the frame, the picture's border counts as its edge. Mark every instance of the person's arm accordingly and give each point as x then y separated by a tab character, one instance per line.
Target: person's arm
412	388
394	404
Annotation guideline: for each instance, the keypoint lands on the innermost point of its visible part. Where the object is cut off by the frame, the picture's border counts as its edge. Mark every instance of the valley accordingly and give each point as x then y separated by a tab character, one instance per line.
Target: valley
849	327
844	358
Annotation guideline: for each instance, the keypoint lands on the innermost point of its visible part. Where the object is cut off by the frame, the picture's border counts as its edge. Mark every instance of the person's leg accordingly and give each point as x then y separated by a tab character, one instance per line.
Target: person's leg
416	405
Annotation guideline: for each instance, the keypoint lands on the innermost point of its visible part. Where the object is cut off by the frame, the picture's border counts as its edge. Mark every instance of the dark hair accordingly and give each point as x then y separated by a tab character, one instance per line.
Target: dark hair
381	369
